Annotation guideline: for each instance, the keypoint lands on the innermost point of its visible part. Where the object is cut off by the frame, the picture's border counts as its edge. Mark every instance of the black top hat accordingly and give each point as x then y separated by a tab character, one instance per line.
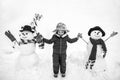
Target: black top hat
27	28
96	28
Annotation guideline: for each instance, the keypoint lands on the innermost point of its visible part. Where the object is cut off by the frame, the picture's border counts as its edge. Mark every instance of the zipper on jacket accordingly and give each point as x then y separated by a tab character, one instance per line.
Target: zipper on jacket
60	45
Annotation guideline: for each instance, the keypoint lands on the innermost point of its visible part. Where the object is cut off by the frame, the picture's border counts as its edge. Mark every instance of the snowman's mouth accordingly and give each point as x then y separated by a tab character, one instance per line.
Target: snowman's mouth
97	36
24	37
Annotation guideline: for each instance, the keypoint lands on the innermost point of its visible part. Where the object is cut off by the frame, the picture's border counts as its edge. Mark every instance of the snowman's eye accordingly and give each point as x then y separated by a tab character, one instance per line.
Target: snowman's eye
26	33
23	34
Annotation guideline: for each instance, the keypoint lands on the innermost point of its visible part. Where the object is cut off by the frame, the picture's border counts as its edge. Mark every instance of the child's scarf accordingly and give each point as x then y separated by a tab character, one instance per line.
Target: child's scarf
94	48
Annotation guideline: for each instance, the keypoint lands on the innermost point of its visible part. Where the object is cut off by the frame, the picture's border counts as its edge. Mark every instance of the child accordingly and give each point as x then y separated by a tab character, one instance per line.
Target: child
60	39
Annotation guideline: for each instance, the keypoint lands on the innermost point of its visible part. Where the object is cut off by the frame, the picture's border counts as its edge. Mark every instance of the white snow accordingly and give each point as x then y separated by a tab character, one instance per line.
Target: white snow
79	16
43	71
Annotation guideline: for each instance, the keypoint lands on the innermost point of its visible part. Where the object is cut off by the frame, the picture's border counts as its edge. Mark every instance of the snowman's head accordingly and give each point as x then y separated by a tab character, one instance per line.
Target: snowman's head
26	33
96	32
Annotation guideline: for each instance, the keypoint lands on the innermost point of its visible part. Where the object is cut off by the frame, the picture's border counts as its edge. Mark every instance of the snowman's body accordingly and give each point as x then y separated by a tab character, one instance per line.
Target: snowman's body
27	49
27	58
100	64
99	52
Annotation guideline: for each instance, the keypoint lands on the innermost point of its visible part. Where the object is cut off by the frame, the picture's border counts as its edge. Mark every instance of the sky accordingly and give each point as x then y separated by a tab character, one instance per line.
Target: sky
78	15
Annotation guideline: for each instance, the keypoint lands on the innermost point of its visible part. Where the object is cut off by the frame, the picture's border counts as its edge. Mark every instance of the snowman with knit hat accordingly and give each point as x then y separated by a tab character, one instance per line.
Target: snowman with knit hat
96	49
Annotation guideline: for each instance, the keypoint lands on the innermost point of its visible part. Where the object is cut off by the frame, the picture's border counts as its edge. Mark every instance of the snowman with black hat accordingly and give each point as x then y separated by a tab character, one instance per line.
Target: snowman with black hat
28	58
96	46
26	46
96	49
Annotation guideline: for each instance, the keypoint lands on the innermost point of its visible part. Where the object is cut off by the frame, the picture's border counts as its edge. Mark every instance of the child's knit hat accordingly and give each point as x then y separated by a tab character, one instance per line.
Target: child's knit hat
61	26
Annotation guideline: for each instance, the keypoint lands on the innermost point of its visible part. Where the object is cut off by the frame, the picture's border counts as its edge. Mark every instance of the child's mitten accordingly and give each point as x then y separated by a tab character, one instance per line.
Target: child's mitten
80	35
39	38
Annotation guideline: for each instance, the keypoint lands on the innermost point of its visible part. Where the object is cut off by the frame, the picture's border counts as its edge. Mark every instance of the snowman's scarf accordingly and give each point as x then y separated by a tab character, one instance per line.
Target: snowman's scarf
28	41
94	48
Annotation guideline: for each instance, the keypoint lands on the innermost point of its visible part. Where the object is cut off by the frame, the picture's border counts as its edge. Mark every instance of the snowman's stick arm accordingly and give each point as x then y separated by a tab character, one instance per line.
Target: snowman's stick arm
84	40
112	35
38	37
108	38
34	22
37	18
80	36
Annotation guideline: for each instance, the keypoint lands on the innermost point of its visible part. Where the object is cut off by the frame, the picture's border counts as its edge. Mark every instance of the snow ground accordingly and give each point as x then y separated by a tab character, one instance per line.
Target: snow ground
43	71
75	69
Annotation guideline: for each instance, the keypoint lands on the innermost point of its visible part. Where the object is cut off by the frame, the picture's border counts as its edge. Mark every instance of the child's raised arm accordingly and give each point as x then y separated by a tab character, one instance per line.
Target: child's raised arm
49	41
72	40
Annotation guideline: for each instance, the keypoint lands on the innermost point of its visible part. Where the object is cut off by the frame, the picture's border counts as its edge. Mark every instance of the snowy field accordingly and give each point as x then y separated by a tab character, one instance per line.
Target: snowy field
79	16
11	70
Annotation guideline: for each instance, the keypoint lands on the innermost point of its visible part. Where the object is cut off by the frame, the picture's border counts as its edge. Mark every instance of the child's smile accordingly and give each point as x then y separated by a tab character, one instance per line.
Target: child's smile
61	32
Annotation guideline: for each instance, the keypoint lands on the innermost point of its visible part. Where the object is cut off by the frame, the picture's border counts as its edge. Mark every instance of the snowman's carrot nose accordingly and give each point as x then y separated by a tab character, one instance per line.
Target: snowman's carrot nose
98	33
23	34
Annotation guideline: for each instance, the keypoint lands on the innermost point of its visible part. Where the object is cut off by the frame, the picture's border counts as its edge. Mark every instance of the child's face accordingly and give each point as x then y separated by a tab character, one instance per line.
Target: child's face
61	32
